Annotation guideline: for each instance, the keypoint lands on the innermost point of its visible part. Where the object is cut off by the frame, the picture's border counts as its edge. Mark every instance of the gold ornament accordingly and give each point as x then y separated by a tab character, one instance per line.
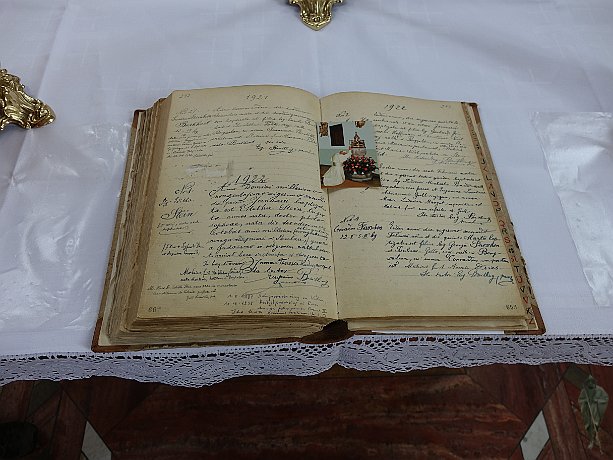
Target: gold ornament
315	13
18	108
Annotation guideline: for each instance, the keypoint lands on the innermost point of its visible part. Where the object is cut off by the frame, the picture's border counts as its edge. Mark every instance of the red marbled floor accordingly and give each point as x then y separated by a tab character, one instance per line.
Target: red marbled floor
482	412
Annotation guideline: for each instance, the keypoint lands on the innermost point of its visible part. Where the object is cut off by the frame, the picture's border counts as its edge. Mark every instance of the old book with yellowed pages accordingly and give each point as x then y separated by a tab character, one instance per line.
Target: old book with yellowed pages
224	234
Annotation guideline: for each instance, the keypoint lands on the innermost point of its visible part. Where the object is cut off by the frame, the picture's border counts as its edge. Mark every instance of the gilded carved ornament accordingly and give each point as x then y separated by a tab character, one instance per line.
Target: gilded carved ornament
16	107
315	13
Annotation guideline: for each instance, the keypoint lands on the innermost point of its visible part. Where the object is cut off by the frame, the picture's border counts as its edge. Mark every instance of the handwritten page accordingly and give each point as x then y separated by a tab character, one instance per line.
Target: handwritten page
240	226
427	242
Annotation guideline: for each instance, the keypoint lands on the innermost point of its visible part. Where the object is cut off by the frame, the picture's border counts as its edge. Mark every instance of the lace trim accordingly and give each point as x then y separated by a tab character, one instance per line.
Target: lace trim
386	353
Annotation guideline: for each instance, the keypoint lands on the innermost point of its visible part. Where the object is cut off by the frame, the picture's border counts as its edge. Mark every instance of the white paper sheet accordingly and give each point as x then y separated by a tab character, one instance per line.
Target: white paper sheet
578	148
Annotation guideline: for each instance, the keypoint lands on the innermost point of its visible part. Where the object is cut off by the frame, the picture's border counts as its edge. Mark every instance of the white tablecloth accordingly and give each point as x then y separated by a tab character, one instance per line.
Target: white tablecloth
95	62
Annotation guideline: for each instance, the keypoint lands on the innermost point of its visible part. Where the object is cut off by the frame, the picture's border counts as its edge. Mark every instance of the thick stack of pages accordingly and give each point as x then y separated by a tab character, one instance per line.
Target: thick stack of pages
224	234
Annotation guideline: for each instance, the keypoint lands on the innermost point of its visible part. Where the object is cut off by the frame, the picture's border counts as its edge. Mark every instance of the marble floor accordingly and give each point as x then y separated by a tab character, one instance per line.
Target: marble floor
491	412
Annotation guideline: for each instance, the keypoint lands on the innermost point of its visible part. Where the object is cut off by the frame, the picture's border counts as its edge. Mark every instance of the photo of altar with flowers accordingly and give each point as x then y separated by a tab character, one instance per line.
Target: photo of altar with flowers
347	154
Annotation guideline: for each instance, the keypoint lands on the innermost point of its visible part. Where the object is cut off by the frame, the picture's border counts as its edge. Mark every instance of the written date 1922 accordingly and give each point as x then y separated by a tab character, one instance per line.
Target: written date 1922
390	107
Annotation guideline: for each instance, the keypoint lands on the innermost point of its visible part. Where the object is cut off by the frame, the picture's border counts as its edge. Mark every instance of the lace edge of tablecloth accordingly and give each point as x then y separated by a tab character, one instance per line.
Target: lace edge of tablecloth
388	353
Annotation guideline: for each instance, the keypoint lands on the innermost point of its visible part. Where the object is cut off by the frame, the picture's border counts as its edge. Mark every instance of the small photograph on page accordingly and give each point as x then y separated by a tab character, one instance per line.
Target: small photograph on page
347	154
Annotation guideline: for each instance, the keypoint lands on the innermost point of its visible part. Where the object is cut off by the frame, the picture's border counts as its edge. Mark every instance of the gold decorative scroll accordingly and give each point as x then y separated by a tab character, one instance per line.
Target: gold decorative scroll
315	13
16	107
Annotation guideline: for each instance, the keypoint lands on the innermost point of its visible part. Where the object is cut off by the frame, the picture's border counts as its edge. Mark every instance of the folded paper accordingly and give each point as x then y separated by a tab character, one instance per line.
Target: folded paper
578	148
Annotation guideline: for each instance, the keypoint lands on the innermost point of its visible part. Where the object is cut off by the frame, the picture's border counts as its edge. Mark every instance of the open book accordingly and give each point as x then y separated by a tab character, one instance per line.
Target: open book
225	235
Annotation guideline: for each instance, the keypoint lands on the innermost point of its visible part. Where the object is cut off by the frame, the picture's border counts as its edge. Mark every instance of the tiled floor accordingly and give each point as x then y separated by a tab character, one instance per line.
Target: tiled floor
508	412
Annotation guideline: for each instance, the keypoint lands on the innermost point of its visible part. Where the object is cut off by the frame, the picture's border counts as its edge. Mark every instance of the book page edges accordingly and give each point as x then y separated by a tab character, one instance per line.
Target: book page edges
153	161
100	334
333	332
535	324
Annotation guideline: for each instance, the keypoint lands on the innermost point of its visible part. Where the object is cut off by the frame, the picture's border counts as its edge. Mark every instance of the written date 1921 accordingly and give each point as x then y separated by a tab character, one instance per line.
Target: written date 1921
256	97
